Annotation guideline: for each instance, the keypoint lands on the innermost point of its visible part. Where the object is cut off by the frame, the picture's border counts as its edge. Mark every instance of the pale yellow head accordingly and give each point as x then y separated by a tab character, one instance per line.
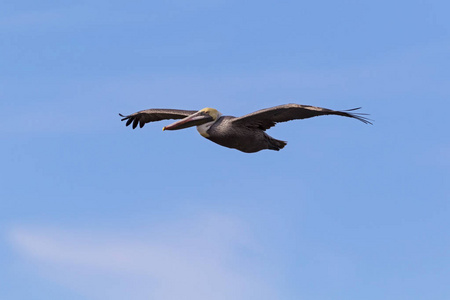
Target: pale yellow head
205	118
214	113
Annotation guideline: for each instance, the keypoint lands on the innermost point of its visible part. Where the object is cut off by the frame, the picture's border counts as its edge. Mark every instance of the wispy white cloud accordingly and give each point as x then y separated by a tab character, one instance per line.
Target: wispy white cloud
190	260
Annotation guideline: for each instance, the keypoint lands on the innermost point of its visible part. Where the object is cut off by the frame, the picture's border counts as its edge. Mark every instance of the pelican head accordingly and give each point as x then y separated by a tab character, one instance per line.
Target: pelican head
203	116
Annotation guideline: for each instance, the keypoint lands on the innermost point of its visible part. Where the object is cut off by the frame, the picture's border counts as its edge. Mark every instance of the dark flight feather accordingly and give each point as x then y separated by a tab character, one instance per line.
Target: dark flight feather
152	115
266	118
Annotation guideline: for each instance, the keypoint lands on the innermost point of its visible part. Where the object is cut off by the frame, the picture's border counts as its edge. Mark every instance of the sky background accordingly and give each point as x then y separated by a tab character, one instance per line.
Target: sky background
90	209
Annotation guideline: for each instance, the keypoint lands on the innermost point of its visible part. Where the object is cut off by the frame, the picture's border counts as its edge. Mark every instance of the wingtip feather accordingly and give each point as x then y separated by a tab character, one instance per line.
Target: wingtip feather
360	116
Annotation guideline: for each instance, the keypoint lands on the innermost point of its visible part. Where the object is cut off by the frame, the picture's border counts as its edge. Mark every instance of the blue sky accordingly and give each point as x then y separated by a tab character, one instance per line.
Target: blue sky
91	209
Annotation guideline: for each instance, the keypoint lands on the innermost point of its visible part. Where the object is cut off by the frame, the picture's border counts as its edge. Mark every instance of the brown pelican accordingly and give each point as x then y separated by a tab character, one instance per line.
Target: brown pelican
246	133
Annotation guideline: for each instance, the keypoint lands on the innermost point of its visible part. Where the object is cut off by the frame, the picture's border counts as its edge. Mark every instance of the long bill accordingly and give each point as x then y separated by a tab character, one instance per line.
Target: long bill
196	119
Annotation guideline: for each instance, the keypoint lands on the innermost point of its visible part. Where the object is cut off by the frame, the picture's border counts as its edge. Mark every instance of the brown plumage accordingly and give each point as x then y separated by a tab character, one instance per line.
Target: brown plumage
151	115
246	133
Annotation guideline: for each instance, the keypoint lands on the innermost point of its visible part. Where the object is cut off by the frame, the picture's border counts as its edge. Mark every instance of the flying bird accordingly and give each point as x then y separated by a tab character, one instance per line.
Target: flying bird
246	133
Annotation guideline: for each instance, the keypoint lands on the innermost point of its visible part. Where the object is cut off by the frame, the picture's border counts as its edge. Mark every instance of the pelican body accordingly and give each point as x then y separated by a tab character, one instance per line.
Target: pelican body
246	133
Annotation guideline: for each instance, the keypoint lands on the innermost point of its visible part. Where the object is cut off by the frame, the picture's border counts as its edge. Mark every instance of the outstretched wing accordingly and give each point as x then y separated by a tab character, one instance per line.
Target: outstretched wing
151	115
266	118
